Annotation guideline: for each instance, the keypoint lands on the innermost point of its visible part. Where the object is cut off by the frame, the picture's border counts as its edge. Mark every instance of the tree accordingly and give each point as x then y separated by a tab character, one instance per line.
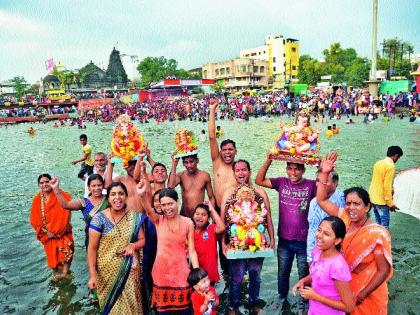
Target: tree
396	57
357	73
219	86
20	85
310	70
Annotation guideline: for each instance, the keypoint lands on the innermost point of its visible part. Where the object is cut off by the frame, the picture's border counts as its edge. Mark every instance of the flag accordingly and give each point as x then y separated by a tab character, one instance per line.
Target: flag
49	65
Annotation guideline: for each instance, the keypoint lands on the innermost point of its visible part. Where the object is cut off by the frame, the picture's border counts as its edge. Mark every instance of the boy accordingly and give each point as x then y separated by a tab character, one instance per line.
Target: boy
87	161
204	299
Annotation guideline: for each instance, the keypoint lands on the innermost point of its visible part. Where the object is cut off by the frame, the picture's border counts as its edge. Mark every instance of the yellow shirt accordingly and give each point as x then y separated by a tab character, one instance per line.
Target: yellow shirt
380	190
329	133
87	149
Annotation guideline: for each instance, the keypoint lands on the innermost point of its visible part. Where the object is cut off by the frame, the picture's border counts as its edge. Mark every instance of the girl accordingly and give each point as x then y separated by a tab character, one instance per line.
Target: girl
205	238
170	269
329	273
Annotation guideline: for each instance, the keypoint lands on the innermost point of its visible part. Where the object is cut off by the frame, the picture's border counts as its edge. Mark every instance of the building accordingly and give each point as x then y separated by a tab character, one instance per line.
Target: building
238	73
7	88
282	55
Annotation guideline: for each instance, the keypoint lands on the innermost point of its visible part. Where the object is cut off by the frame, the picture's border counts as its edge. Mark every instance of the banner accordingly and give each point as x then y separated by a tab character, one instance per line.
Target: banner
49	65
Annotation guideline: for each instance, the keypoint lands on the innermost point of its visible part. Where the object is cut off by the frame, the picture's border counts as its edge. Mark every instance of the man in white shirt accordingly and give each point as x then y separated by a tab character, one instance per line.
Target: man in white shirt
99	167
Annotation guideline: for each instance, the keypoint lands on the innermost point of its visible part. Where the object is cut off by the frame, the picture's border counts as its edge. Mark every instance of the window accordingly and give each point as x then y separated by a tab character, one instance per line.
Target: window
205	74
255	69
259	53
243	68
217	71
262	69
274	59
264	51
253	54
293	67
284	55
247	55
227	70
293	77
274	69
222	71
294	49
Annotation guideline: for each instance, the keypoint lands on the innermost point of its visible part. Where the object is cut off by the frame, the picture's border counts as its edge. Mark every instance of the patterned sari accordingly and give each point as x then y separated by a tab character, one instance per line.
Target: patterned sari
118	277
358	248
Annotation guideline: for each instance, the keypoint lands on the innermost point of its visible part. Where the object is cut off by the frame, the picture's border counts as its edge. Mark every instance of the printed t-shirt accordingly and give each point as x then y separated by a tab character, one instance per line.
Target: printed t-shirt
205	245
197	300
87	149
294	202
323	272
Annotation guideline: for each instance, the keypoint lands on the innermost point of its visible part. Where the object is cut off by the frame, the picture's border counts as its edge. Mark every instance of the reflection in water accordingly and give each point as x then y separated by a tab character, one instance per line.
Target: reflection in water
25	285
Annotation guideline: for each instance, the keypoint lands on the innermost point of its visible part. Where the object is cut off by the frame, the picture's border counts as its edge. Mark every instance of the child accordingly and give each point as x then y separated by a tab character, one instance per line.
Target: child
87	161
205	238
329	133
329	273
204	299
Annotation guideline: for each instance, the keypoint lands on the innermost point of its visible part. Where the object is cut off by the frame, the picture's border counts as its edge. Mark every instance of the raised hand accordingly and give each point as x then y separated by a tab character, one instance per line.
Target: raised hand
54	183
214	104
328	162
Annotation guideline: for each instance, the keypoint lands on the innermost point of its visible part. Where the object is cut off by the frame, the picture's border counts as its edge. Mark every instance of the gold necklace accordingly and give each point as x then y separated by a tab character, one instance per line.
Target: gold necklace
115	221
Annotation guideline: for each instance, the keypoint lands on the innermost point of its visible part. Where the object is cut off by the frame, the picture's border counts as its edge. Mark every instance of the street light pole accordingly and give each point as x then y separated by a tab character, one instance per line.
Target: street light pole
373	83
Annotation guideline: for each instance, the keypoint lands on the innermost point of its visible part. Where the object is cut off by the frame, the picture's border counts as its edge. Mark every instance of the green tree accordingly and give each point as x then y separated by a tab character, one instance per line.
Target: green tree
20	85
358	72
396	55
219	86
310	70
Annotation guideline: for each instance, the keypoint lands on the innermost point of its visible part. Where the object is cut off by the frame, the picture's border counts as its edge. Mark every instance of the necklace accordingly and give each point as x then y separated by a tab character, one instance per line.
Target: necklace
115	221
355	233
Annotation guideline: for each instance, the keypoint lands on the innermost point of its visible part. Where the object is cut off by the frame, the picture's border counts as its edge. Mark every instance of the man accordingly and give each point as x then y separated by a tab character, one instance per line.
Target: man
194	183
100	161
238	267
159	173
222	160
316	214
223	178
380	190
86	160
295	194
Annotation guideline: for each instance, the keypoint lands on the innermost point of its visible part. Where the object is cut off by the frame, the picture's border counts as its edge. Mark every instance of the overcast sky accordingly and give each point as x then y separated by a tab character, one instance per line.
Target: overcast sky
193	32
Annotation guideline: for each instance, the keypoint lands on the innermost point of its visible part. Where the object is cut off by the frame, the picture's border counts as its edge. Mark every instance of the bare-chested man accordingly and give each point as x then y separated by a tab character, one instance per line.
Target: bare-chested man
159	173
133	200
222	160
194	183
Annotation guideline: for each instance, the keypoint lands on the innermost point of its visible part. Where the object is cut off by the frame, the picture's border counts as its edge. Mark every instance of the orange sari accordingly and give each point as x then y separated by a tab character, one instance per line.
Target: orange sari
358	248
58	249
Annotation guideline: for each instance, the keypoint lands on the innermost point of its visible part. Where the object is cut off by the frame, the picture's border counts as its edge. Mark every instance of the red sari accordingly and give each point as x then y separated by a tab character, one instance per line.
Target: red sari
58	249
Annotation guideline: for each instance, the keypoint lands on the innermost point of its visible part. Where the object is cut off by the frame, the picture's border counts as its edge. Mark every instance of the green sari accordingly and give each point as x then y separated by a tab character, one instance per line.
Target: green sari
118	285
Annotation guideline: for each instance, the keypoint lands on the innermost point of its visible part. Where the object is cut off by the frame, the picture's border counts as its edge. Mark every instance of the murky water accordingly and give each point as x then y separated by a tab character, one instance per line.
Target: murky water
25	285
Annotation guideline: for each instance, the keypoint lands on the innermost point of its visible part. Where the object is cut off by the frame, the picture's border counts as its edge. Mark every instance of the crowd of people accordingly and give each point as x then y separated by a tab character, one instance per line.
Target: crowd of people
149	249
326	104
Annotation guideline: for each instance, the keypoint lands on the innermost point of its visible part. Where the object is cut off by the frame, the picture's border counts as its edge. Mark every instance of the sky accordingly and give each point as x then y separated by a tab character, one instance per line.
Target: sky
193	32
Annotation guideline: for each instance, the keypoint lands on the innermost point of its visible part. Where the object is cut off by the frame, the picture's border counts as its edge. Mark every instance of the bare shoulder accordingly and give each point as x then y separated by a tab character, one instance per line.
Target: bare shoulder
260	190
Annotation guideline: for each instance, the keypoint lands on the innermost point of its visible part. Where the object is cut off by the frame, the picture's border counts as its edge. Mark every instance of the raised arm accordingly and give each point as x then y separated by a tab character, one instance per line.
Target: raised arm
64	203
209	189
262	173
149	157
214	148
174	178
191	247
137	169
270	227
326	167
220	223
145	192
109	172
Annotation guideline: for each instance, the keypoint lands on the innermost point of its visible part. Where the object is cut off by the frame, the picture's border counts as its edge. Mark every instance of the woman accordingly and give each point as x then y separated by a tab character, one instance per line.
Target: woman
366	247
171	291
95	203
115	238
52	227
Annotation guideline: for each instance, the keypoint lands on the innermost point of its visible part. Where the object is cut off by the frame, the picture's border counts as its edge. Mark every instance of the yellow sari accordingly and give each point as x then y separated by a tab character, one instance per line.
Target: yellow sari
118	277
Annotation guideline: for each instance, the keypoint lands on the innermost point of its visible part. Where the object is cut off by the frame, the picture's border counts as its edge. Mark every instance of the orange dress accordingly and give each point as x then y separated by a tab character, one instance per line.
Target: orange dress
171	291
358	248
59	250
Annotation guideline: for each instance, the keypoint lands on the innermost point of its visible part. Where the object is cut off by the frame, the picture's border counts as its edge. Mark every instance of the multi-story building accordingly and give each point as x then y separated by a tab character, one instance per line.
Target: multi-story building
282	55
238	73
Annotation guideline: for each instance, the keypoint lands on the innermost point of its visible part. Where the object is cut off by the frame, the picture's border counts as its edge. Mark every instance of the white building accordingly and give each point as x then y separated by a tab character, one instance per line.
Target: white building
282	55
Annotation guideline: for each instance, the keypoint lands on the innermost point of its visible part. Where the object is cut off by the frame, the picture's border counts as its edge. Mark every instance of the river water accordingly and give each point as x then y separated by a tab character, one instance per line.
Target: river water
25	286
